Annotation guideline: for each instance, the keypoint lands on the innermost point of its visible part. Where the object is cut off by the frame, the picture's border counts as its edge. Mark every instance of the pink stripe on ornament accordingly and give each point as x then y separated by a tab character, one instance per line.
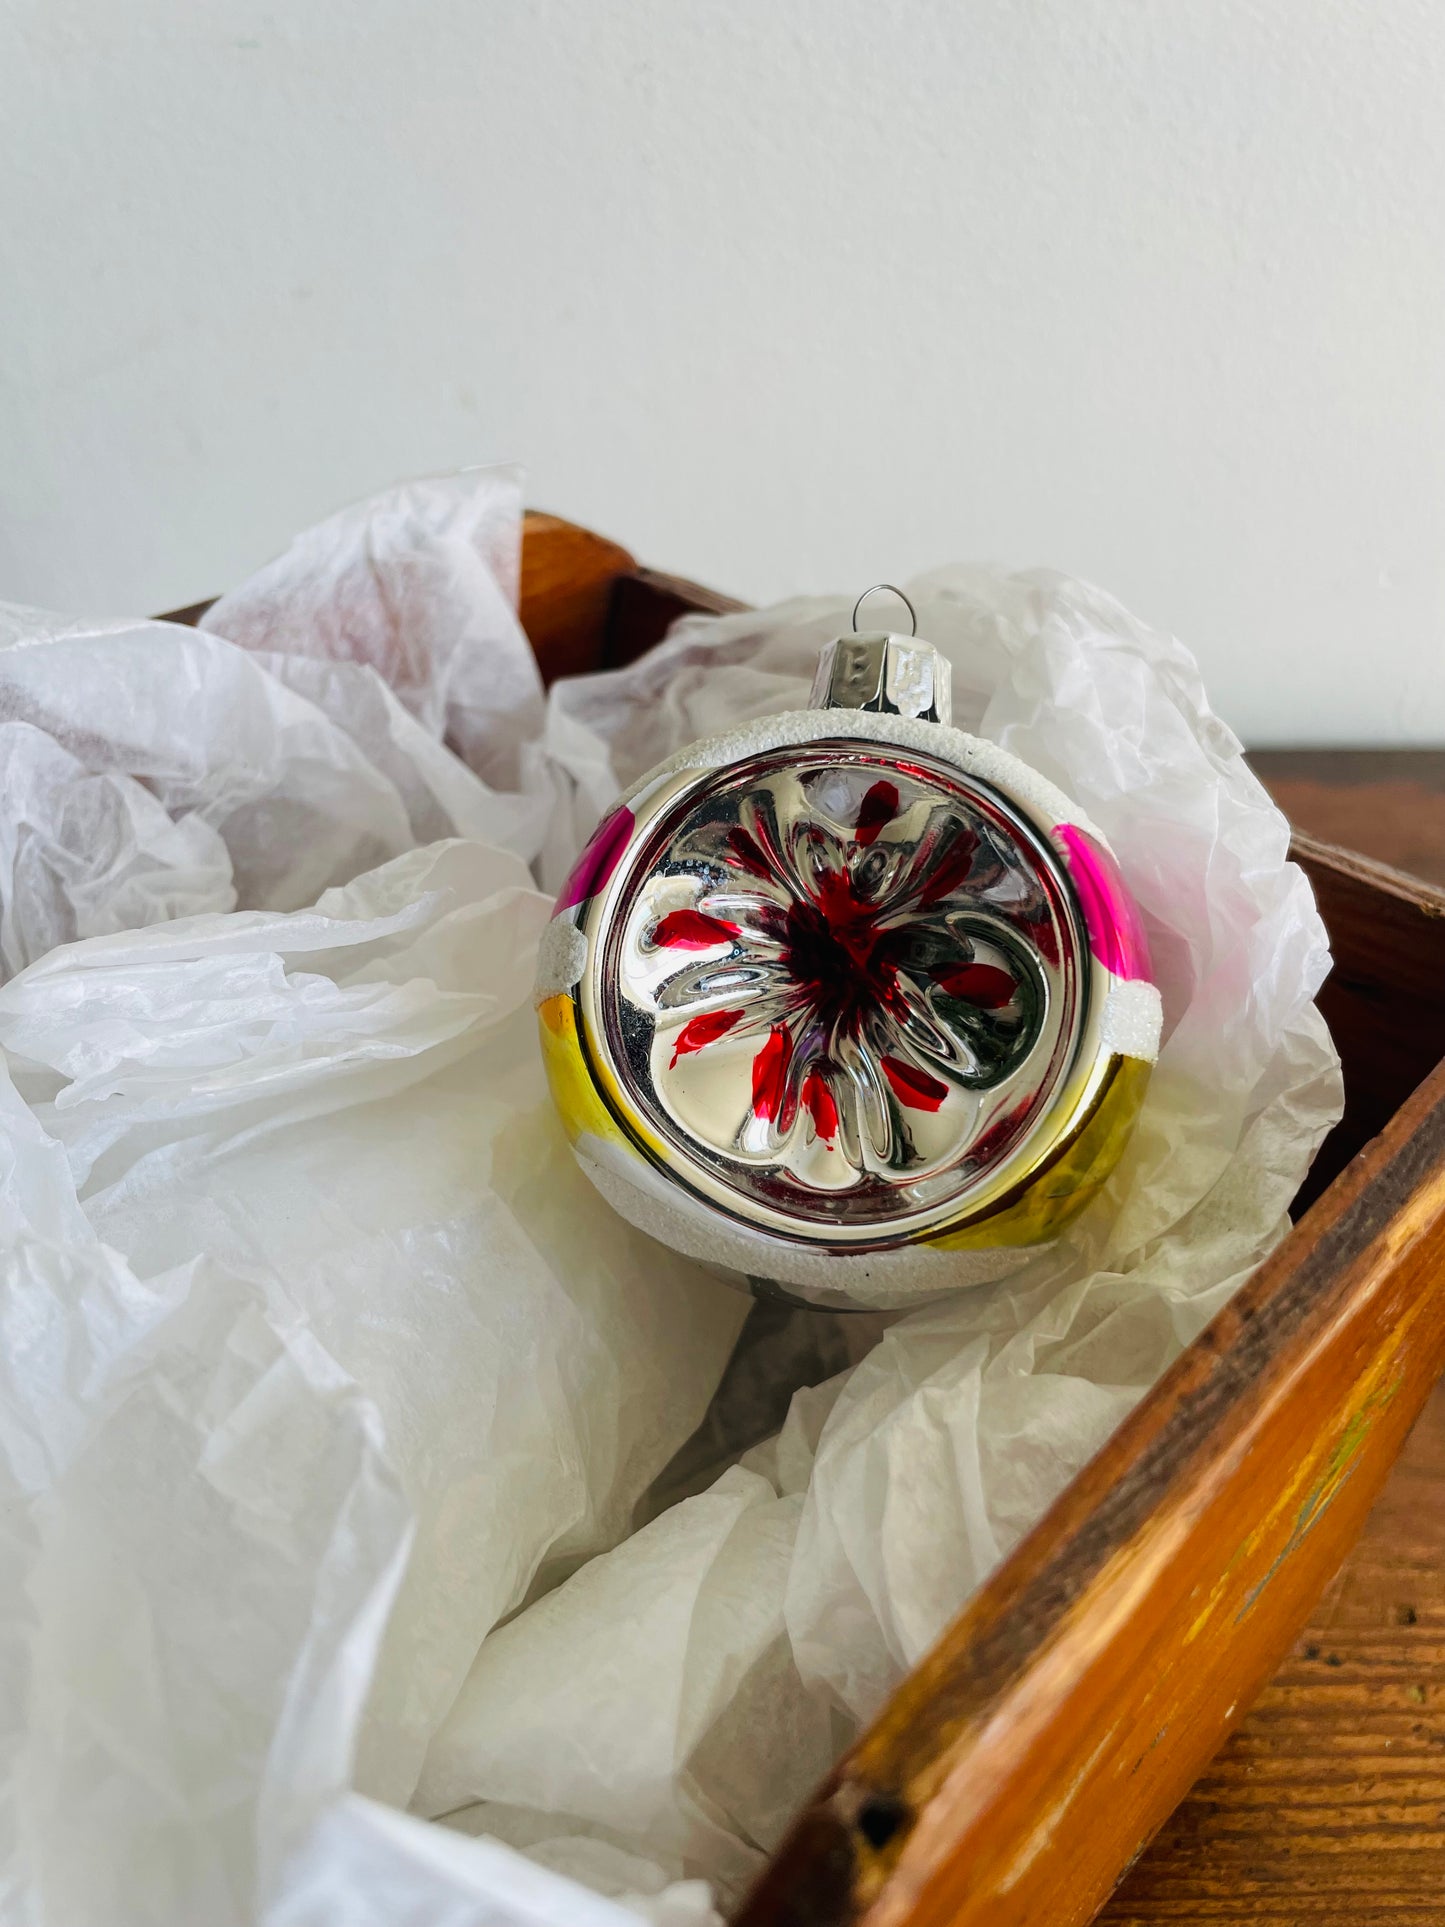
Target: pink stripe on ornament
598	860
1116	933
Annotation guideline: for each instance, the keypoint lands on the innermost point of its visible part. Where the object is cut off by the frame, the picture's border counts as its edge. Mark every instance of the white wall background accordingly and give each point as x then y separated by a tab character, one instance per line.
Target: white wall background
787	294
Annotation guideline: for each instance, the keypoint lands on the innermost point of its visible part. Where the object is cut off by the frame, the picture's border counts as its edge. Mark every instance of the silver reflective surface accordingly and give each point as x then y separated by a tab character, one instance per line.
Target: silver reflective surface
840	984
892	675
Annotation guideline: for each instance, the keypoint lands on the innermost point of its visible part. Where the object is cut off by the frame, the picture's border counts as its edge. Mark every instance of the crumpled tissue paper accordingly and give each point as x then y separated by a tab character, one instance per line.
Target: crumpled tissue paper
330	1392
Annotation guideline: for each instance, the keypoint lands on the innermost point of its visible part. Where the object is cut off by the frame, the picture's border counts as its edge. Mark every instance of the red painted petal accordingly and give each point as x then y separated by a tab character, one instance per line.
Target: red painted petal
698	1032
977	983
691	930
913	1087
879	806
770	1073
820	1105
950	868
746	852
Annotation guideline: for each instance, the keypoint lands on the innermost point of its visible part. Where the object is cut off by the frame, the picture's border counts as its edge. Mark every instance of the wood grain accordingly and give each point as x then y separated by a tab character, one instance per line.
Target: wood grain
1327	1807
569	578
647	604
1385	803
1384	999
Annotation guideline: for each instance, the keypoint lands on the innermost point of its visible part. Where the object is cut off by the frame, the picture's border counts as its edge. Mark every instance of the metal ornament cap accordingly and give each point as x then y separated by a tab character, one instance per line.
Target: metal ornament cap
890	675
847	1000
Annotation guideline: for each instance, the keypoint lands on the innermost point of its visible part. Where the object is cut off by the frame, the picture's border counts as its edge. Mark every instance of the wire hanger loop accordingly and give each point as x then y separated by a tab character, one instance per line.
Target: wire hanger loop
892	589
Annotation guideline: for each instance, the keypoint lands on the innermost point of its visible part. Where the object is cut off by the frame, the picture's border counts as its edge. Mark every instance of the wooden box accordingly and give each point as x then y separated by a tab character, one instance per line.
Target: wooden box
1020	1769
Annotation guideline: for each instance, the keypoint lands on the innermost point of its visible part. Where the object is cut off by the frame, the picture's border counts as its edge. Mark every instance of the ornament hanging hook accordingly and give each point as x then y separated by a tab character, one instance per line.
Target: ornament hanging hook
892	589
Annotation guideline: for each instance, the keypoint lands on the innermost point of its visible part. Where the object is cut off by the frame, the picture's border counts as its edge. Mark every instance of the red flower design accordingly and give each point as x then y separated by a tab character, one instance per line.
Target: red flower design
826	947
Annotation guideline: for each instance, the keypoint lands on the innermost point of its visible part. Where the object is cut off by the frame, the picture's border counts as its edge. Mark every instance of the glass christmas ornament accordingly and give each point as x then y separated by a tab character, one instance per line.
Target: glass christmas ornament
847	1000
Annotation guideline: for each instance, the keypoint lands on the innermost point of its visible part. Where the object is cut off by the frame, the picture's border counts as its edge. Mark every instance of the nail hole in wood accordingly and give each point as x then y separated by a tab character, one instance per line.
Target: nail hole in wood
880	1818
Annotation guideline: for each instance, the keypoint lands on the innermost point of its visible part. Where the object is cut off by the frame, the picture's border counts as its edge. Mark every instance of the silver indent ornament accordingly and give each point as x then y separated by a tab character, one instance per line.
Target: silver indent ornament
854	1004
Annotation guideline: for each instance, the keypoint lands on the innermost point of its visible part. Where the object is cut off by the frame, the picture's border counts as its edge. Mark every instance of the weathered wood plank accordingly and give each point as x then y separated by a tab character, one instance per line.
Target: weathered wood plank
1327	1804
569	578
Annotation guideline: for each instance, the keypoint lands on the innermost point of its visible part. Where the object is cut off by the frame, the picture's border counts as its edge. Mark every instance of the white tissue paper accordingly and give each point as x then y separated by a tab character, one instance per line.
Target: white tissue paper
362	1469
